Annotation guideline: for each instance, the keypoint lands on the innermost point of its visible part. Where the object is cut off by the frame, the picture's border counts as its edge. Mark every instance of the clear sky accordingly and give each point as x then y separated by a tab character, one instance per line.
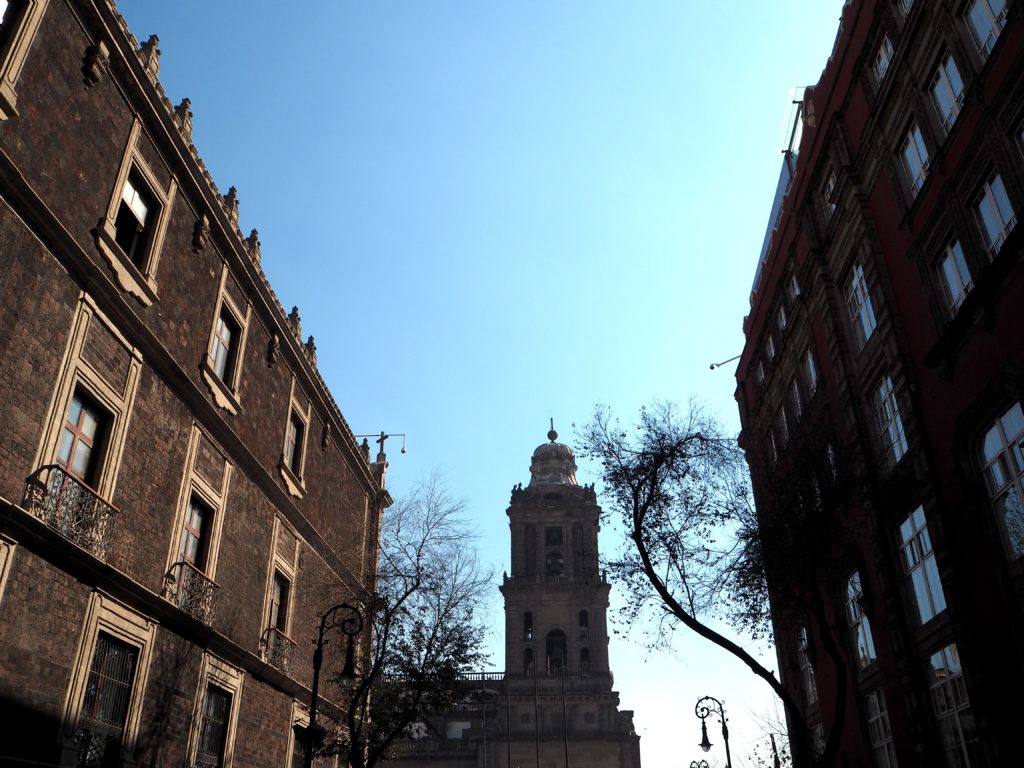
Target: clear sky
493	212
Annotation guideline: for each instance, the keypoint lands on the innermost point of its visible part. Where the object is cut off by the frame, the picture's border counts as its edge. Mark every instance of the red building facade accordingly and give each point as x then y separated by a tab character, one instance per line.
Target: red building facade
180	496
881	384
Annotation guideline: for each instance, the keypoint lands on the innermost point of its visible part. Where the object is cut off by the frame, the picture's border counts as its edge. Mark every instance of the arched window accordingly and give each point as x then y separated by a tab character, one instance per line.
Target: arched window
556	649
584	623
528	661
528	625
584	661
1002	449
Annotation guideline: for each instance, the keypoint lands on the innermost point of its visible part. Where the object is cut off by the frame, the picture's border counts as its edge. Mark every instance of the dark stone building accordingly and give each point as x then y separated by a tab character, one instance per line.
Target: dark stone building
180	496
554	706
881	387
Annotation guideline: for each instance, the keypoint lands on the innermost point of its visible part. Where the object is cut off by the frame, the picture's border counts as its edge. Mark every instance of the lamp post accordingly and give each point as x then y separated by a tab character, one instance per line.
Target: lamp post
707	705
349	621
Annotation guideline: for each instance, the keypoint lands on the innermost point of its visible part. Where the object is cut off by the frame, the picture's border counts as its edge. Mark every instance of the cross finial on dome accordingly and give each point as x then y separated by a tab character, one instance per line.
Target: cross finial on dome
552	435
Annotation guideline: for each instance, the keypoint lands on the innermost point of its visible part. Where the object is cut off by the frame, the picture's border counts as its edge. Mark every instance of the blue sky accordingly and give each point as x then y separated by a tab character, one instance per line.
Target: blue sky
492	213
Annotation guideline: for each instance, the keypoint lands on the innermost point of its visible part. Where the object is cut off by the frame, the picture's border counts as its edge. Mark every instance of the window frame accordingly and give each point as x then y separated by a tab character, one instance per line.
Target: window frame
952	265
230	679
293	472
880	738
988	198
883	59
809	369
225	388
996	24
891	430
949	699
947	116
920	568
105	615
15	45
136	276
1010	452
862	640
913	140
860	308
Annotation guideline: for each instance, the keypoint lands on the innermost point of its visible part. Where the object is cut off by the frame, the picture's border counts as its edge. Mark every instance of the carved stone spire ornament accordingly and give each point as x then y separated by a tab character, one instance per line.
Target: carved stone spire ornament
231	205
325	437
296	323
311	350
200	234
252	242
151	55
95	63
184	114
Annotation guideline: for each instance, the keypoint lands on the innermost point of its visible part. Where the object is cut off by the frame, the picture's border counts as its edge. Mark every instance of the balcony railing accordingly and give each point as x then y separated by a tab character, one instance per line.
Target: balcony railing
277	649
71	508
189	589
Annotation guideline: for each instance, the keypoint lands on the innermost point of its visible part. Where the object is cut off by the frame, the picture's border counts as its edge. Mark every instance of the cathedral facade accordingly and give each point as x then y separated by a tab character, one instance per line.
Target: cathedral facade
554	705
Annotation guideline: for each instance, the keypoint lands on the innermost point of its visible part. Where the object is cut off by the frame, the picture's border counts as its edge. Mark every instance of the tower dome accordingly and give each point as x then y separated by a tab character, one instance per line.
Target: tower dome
553	463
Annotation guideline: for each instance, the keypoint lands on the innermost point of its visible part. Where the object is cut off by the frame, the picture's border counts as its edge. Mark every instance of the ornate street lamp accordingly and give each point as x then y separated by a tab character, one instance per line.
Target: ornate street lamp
349	621
707	705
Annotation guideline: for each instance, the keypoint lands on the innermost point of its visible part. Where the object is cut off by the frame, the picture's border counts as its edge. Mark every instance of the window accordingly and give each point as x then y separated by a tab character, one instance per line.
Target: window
914	155
195	534
986	18
882	59
947	91
133	225
556	650
879	731
528	625
773	451
293	444
553	536
1003	455
584	661
952	708
793	288
584	620
919	565
19	20
858	303
223	351
108	693
81	438
794	400
905	6
769	348
555	564
860	628
803	656
280	591
782	425
956	278
780	319
528	661
759	373
810	373
994	214
828	194
890	423
213	728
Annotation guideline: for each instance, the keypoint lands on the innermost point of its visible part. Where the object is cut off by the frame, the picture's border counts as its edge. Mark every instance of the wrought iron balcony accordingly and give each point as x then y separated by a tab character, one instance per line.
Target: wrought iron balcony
189	589
70	507
277	649
97	743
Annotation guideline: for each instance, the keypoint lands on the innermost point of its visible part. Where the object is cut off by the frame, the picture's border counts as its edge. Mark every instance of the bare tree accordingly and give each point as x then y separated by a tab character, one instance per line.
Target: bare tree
697	549
424	623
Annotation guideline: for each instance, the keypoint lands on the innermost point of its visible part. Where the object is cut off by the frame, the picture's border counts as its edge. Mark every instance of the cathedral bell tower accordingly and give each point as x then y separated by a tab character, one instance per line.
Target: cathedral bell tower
556	602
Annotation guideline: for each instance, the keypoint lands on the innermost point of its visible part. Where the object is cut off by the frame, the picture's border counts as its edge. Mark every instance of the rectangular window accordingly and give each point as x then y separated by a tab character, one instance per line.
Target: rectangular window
858	303
952	708
994	214
882	59
794	400
81	439
919	565
860	628
890	422
133	224
223	352
828	192
780	319
947	91
905	6
783	426
1003	456
914	155
213	728
279	594
879	731
293	444
986	18
810	373
759	373
553	536
108	695
773	451
793	288
195	534
956	278
769	348
803	656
